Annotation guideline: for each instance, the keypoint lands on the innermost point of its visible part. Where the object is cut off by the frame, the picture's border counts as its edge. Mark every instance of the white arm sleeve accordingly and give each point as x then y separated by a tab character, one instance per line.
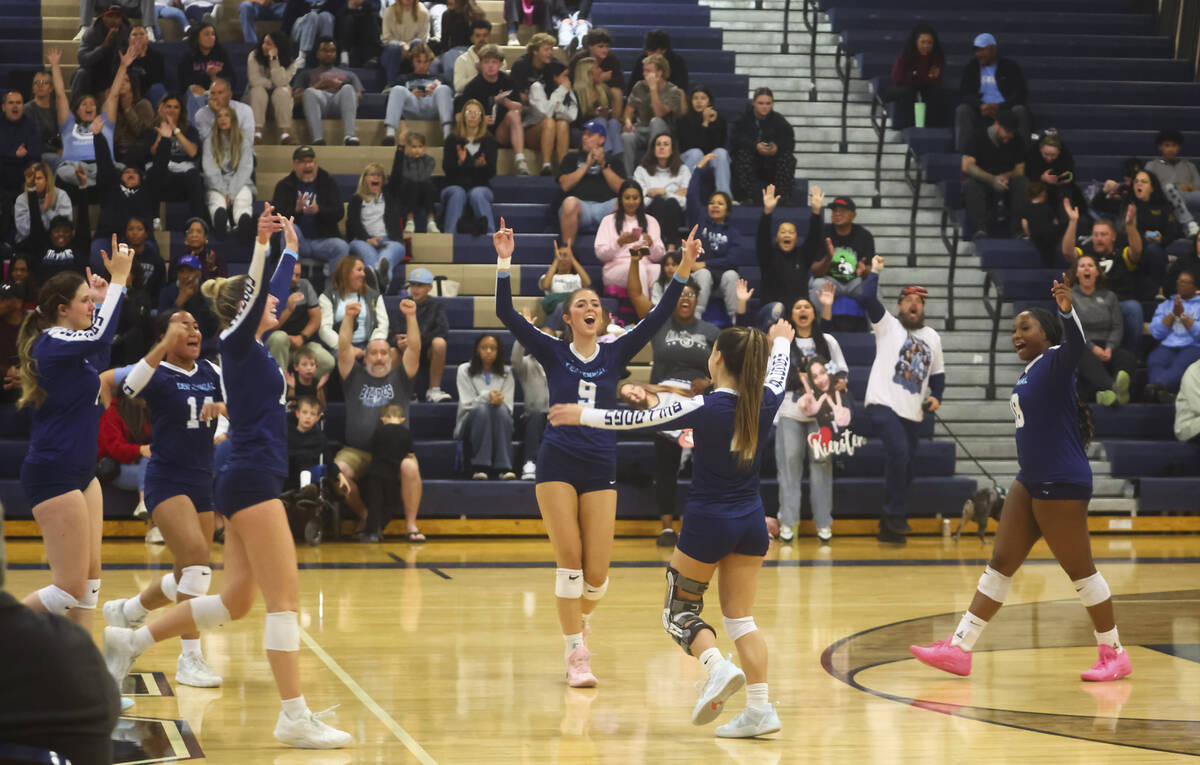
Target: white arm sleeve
777	366
138	377
678	408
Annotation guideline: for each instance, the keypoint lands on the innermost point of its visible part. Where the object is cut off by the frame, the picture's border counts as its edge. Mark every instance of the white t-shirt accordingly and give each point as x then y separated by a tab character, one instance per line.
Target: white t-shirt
904	362
807	349
564	283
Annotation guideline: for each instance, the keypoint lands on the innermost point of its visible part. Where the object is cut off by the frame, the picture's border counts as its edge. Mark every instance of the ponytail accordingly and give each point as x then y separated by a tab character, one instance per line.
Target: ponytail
744	351
226	296
58	291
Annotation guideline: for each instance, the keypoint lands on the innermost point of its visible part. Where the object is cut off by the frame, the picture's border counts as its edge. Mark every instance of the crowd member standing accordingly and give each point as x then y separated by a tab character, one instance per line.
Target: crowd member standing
788	267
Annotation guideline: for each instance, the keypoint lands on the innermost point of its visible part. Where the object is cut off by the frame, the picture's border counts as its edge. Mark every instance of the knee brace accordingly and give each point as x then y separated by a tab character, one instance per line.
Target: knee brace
595	593
195	581
681	617
1092	590
208	612
740	627
282	632
56	599
568	583
169	587
91	595
994	585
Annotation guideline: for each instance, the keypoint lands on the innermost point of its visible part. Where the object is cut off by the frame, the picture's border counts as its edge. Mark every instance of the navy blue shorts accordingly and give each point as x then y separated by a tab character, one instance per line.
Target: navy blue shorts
554	464
159	489
709	538
238	489
1057	491
41	481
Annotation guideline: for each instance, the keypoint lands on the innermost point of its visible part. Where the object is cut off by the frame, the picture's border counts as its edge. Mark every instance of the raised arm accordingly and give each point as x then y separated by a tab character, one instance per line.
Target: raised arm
529	336
632	341
62	105
868	297
346	352
1067	358
411	359
114	91
671	413
138	376
244	327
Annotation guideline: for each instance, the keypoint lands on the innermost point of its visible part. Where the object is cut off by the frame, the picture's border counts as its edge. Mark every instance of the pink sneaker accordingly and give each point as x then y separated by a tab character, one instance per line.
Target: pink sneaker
1111	666
943	656
579	668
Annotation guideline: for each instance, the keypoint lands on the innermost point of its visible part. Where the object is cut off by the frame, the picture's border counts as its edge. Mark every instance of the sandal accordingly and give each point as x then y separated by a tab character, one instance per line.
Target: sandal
415	537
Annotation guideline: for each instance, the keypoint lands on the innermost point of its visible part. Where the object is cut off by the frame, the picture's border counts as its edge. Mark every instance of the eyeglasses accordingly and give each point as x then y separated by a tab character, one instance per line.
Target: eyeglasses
687	294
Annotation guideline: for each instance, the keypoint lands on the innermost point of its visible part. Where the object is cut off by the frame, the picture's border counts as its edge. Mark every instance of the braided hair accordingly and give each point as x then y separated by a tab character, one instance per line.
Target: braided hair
1053	328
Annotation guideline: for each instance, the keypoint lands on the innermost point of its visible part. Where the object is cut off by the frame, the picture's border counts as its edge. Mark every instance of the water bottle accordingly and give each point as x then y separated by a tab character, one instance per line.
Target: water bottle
919	112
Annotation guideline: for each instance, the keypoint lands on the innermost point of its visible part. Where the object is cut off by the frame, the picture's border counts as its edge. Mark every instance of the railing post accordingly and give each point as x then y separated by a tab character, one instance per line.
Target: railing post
787	12
843	56
810	5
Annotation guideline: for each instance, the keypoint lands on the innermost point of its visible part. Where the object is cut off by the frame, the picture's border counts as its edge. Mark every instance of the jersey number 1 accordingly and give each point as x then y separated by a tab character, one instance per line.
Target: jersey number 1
1015	404
587	393
194	418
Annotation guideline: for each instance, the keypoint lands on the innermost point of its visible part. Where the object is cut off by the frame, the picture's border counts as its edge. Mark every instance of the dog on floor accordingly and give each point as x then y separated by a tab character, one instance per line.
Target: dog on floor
983	504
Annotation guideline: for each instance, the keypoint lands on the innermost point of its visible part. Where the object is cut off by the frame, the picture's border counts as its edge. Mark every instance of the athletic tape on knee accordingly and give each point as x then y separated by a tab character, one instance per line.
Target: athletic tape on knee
568	583
740	627
208	612
56	599
994	584
169	587
91	595
195	580
282	632
1092	591
595	593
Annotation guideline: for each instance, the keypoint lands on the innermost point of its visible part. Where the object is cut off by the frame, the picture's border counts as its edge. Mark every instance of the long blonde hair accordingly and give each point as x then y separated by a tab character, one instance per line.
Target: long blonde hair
588	94
362	192
226	296
744	351
59	290
231	143
460	122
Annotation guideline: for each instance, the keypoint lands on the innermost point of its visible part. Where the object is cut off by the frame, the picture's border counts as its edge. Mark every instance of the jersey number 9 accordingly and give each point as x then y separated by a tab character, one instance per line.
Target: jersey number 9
587	393
1014	403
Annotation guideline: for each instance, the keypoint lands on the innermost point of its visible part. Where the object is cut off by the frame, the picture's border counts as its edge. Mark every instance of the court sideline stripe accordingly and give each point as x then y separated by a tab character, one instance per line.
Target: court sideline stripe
389	723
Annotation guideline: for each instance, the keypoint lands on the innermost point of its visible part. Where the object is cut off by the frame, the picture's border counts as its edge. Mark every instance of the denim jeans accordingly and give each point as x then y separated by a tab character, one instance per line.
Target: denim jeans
309	27
489	435
454	199
1166	365
1134	324
371	255
719	164
250	12
403	104
900	440
330	250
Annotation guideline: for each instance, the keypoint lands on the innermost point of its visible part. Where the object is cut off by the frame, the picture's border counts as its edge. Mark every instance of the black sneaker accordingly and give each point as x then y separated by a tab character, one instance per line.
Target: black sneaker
388	140
319	142
667	538
891	536
351	140
221	224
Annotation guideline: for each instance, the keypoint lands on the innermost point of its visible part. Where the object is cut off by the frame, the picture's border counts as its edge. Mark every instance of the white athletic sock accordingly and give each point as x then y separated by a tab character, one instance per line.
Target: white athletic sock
571	642
295	708
1109	639
519	155
390	131
142	639
970	627
190	646
756	695
711	659
134	610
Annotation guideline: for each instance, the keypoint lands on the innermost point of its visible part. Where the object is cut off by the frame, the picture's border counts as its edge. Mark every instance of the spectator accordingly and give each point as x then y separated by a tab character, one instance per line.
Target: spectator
135	322
917	79
250	11
54	248
503	118
41	111
308	21
203	60
182	293
564	276
572	20
220	96
536	392
307	444
1179	179
669	263
435	330
141	8
762	147
719	265
41	201
270	69
299	325
311	195
184	181
658	43
527	69
469	161
594	101
1105	373
611	75
1052	163
391	445
460	22
1175	328
99	51
302	379
360	33
466	64
1158	228
1187	405
519	13
590	179
327	90
125	439
994	182
650	111
171	10
702	136
75	126
135	115
850	248
622	232
1123	272
147	68
228	164
990	85
551	96
484	423
125	195
411	184
20	148
146	256
1110	199
195	243
373	220
349	286
786	270
1040	222
664	178
418	95
907	379
1186	261
405	24
12	315
383	377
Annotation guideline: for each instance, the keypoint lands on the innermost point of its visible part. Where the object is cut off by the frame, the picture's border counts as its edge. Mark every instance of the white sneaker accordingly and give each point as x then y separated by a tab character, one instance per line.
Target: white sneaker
750	723
522	166
825	533
787	533
309	732
512	39
79	35
724	681
119	653
150	34
126	703
479	476
432	227
410	227
193	670
529	472
154	536
1193	228
437	396
114	615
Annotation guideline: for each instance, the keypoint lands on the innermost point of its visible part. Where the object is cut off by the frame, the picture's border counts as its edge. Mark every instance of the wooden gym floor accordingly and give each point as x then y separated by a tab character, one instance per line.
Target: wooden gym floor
450	653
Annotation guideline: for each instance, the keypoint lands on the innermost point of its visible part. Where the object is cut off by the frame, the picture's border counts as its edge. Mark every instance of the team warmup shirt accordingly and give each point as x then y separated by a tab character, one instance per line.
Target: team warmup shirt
66	426
720	485
1044	405
575	380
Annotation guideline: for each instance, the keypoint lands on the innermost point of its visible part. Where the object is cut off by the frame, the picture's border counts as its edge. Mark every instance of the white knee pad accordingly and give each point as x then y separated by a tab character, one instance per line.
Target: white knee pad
740	627
1092	591
208	612
91	595
994	584
568	583
169	587
595	593
56	599
282	632
195	580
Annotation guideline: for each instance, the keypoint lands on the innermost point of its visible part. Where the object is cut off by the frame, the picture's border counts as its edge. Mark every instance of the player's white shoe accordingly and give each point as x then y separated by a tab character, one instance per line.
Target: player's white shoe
309	732
724	681
114	615
119	653
193	670
750	723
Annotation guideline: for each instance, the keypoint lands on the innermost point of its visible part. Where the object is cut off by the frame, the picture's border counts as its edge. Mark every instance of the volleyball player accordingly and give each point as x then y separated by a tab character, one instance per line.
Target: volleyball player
1049	497
259	551
184	398
577	467
62	346
724	524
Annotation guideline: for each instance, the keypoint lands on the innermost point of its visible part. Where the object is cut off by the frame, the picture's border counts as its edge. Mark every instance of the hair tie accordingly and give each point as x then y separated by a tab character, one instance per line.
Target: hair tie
38	310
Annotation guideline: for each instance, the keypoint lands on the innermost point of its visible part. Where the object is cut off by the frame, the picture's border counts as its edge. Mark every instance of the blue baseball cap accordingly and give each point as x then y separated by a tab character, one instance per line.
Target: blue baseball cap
984	40
597	127
191	261
420	276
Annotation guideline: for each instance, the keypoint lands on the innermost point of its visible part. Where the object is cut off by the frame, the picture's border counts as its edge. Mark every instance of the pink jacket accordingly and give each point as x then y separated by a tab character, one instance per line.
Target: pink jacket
615	257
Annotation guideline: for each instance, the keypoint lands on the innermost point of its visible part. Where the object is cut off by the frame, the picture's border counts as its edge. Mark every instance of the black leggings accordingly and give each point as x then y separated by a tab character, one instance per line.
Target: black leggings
669	214
382	496
418	196
666	473
1096	375
753	172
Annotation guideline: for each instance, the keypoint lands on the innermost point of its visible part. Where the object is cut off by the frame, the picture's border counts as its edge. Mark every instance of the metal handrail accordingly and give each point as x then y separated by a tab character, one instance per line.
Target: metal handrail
808	13
844	67
915	177
879	119
950	223
993	313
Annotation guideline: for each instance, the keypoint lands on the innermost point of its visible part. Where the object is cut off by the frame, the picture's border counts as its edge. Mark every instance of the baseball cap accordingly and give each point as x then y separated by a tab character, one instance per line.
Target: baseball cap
846	202
8	290
190	261
984	40
112	11
597	127
420	276
914	289
303	152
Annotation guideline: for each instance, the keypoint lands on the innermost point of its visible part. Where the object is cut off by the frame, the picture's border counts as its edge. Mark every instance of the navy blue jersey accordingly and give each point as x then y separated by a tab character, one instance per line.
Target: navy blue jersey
66	426
576	380
1049	445
721	486
257	408
181	442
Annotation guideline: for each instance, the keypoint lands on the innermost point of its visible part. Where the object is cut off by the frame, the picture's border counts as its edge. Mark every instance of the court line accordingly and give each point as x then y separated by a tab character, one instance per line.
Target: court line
389	723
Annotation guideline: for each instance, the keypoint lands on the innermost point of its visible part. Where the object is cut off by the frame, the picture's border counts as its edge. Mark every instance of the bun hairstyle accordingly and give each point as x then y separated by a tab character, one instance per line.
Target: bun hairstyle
1054	335
58	291
226	296
744	351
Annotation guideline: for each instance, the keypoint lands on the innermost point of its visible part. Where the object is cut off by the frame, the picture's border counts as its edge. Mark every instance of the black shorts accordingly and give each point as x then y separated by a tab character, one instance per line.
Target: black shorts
709	538
238	489
556	465
43	481
1056	491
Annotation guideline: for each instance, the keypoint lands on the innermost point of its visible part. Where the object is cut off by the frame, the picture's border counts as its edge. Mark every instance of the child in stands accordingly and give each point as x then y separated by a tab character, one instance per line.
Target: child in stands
391	444
303	382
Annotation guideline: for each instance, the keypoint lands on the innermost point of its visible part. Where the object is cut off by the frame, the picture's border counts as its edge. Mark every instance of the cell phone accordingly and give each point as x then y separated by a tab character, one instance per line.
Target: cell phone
637	231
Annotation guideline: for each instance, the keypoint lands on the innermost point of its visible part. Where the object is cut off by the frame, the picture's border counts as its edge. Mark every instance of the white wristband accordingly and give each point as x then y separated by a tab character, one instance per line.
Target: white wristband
503	264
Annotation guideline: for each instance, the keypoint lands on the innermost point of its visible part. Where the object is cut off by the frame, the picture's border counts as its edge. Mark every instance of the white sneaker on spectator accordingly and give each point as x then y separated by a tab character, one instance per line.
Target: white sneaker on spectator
529	472
522	165
154	536
191	669
512	39
786	533
825	533
410	227
479	476
150	34
437	396
1193	228
508	475
309	732
79	35
432	227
